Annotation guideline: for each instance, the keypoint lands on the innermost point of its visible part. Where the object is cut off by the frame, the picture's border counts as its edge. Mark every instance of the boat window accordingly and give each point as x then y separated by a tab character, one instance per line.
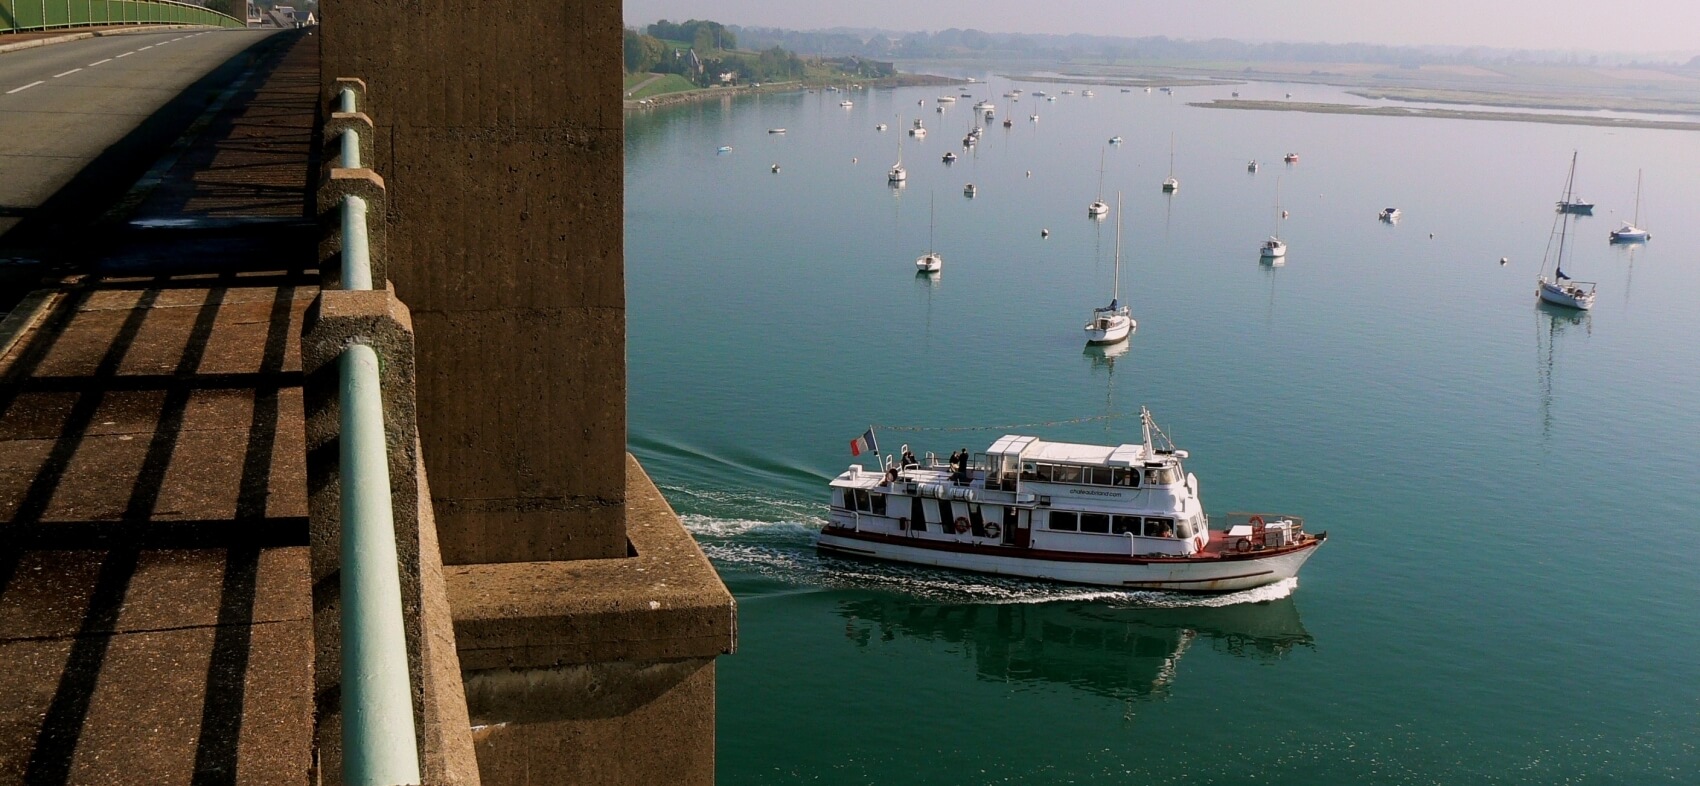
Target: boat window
838	497
1184	530
878	507
1159	527
1127	477
1095	522
1161	476
1102	476
1030	472
1062	473
1123	525
862	503
1064	520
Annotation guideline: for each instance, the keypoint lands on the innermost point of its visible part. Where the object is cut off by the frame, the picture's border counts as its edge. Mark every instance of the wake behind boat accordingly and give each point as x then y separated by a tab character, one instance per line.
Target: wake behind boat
1123	516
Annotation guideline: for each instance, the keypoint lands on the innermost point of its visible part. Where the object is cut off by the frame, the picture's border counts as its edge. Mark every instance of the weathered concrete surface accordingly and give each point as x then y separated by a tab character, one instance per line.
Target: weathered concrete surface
153	579
566	661
500	139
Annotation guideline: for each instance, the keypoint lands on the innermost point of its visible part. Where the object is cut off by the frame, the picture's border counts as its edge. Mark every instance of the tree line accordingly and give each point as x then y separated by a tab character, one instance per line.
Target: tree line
702	51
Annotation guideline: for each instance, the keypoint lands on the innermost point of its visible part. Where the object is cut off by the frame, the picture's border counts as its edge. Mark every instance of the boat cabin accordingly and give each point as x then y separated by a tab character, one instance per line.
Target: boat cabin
1027	493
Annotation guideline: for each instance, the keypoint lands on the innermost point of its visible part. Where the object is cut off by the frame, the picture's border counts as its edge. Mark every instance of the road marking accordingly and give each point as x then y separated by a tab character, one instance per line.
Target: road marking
67	73
126	54
146	48
22	89
98	62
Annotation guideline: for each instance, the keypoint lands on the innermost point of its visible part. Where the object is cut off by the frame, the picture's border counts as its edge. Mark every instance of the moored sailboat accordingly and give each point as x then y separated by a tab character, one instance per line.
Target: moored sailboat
1631	231
1099	208
1561	289
1113	323
1274	250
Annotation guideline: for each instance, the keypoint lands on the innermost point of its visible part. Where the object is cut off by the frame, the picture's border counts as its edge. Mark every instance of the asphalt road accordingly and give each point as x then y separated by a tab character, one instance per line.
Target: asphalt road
62	106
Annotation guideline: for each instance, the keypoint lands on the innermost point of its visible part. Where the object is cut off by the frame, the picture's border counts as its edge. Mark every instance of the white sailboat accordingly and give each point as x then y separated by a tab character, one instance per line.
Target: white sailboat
1170	184
1275	249
1098	208
1113	323
929	262
1631	231
897	174
1562	290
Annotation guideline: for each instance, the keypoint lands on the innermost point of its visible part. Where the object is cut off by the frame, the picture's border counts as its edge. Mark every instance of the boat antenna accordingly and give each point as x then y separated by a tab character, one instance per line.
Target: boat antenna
1145	427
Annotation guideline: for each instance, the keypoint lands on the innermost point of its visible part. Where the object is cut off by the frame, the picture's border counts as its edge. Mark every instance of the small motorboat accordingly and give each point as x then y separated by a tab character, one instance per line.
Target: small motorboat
1251	166
949	157
1115	140
1087	93
1034	118
1008	122
880	127
1291	158
947	99
1389	214
847	103
776	130
969	190
776	169
724	149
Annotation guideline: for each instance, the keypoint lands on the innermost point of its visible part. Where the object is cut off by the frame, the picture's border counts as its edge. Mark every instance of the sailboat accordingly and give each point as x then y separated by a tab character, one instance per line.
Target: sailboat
1111	324
1170	184
1630	232
897	174
929	262
1275	249
1098	208
1562	290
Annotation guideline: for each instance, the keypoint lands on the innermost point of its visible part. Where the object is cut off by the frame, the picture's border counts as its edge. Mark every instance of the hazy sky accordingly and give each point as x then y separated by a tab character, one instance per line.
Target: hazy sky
1599	25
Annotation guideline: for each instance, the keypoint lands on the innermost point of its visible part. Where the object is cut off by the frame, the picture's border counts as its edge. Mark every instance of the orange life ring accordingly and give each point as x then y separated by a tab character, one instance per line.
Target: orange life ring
1256	521
961	524
993	529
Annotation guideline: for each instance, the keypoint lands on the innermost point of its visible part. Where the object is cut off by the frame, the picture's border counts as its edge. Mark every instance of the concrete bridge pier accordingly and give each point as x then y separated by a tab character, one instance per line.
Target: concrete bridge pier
586	619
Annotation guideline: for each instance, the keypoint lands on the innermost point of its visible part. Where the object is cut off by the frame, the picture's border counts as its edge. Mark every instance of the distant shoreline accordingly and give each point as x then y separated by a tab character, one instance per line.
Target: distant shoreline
1452	114
688	96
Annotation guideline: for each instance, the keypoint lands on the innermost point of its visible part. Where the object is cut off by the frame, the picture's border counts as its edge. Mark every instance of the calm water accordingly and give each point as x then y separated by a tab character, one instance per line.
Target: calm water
1508	595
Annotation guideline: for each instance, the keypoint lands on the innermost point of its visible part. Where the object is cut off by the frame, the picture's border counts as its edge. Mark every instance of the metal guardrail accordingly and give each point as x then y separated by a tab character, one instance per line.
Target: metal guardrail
378	741
21	15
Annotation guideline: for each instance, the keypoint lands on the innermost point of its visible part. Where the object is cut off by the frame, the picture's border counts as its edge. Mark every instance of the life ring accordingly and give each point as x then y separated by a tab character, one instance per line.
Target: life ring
1243	544
961	524
1256	521
993	530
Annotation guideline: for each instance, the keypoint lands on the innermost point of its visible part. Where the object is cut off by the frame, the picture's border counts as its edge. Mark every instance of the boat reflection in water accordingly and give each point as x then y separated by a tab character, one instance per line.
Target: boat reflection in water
1122	653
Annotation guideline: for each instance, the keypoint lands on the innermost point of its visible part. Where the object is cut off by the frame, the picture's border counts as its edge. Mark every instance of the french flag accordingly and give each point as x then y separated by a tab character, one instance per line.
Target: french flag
864	444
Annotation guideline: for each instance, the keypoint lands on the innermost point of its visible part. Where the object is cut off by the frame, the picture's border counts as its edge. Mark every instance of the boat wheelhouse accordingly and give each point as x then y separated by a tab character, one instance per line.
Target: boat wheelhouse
1123	515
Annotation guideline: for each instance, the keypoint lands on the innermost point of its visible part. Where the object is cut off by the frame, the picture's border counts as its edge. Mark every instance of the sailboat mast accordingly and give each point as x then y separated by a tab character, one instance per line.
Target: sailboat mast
1564	220
1637	198
1171	155
1100	174
930	222
1117	294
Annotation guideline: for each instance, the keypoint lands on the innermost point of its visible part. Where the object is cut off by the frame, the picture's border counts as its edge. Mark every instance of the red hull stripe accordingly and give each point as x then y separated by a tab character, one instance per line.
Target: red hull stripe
1064	556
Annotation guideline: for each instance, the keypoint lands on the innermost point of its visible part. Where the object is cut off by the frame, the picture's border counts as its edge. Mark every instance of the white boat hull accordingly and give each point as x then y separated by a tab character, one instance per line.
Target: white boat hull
1630	235
1109	330
1569	296
1274	252
1192	574
929	263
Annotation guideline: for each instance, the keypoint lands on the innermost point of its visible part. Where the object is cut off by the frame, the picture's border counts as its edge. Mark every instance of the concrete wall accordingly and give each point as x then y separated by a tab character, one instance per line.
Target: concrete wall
500	136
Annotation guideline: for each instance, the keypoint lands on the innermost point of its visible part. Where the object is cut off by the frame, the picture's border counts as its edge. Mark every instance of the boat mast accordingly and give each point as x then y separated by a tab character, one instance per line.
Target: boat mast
1101	174
1117	293
1145	427
1637	223
1171	155
1564	220
930	223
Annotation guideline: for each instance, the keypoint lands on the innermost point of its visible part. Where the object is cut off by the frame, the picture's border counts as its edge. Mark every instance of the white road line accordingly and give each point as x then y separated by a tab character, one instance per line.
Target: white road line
25	87
146	48
126	54
98	62
67	73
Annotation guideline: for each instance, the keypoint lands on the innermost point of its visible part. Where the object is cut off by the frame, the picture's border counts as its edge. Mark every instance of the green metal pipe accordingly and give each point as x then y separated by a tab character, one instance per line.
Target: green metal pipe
356	248
350	149
378	743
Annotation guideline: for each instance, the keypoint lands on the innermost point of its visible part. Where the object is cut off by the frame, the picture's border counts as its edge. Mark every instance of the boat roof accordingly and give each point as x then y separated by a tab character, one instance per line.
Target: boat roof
1035	449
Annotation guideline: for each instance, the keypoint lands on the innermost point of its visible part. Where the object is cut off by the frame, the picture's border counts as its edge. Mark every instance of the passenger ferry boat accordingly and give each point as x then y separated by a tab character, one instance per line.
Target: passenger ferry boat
1122	516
